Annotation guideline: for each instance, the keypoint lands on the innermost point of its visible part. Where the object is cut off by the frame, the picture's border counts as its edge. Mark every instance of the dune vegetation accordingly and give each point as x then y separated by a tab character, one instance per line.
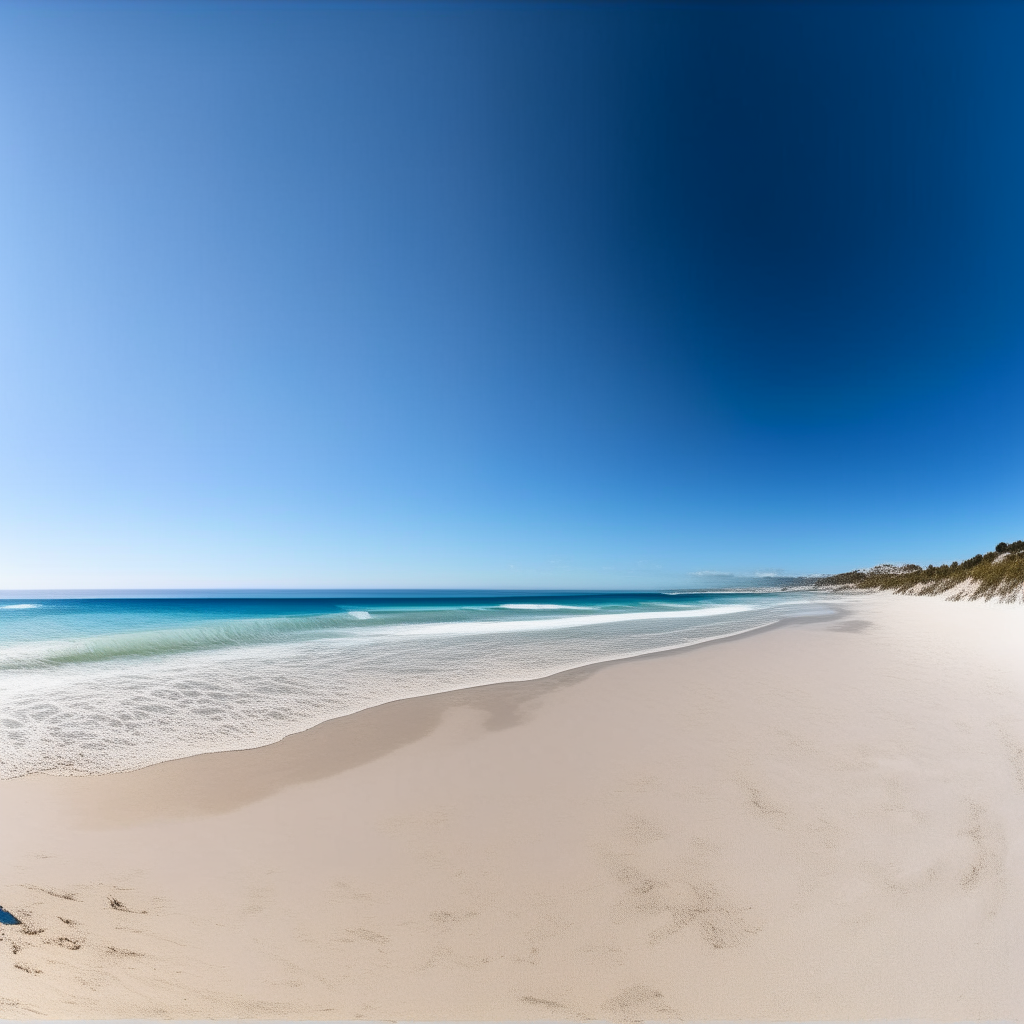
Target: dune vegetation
997	574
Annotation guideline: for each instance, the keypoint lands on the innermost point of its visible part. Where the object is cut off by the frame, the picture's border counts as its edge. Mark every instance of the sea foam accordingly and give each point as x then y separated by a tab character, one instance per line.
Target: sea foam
118	701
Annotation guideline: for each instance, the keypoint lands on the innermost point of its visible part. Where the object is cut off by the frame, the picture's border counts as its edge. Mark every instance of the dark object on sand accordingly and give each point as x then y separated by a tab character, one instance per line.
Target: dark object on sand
6	917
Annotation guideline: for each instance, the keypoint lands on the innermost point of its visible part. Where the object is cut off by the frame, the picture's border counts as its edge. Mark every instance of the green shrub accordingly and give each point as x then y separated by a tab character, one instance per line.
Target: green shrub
992	578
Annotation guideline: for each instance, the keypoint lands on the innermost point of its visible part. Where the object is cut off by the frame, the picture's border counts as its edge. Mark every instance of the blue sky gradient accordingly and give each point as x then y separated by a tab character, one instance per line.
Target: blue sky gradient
506	295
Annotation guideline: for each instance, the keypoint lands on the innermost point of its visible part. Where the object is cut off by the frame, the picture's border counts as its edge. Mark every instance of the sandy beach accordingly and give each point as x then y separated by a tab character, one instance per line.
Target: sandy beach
823	820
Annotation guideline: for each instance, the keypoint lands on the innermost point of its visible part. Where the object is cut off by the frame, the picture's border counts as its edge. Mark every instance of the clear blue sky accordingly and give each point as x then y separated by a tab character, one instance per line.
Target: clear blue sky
510	295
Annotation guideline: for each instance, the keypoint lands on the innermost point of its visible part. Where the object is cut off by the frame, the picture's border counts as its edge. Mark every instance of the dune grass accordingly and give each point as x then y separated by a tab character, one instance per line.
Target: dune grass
998	574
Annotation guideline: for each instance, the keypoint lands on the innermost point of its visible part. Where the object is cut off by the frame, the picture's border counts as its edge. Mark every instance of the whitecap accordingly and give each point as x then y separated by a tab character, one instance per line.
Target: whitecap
559	622
545	607
17	607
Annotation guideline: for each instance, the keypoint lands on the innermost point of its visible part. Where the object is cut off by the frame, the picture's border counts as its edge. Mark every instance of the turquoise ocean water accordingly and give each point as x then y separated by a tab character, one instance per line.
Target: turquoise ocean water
108	683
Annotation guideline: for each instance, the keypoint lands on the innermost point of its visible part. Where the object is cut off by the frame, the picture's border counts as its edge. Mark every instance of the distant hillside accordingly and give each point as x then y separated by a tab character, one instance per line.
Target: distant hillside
998	574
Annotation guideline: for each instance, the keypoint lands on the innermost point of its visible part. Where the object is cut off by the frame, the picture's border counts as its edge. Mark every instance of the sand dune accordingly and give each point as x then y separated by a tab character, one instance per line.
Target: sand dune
819	821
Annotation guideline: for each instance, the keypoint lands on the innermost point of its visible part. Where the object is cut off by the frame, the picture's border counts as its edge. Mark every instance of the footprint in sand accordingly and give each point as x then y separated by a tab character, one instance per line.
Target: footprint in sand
116	904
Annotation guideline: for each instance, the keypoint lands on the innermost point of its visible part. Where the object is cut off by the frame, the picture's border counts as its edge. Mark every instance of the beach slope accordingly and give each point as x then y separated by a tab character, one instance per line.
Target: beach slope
823	820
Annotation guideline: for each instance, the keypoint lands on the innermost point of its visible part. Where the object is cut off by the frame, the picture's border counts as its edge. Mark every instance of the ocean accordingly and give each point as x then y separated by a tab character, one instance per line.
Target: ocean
109	683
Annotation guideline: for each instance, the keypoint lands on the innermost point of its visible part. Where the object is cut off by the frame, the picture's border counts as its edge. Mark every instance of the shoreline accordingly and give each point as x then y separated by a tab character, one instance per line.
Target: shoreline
816	822
679	647
249	774
836	612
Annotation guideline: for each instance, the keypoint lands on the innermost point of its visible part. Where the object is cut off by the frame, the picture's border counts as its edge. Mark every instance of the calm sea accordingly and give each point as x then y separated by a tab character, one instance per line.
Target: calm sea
107	683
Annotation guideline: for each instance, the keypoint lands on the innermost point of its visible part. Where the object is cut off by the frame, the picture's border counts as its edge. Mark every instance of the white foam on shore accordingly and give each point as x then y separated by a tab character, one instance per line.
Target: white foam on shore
157	700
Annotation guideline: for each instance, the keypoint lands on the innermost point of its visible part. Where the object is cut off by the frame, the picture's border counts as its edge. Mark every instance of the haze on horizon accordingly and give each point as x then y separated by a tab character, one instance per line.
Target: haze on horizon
506	295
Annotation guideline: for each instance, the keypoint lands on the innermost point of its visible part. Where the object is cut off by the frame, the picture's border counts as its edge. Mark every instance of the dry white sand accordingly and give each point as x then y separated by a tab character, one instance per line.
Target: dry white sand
819	821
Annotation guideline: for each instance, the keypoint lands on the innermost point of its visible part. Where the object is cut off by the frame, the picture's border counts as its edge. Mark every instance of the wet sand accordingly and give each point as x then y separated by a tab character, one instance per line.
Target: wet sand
819	821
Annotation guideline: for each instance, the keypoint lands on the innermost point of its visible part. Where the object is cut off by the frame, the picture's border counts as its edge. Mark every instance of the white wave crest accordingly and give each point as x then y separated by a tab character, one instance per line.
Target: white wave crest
559	622
16	607
544	607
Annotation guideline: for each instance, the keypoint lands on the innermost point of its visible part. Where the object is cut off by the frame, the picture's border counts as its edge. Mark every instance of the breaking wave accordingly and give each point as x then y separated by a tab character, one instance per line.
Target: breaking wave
120	700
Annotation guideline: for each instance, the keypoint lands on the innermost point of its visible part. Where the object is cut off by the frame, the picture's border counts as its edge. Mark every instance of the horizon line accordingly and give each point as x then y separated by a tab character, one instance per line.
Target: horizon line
14	592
